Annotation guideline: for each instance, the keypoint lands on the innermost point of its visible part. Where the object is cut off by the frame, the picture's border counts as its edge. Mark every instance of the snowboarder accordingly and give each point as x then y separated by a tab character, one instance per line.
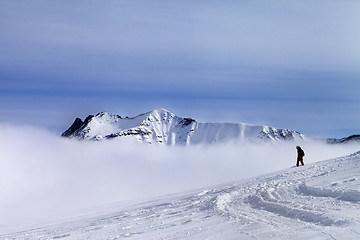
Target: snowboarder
300	156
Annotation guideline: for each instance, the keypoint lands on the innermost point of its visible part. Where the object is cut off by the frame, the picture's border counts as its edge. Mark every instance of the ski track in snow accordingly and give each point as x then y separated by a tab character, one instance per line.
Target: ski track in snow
317	201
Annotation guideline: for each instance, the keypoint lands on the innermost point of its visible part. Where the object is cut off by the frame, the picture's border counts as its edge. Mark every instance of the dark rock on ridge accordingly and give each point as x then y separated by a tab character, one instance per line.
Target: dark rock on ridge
75	126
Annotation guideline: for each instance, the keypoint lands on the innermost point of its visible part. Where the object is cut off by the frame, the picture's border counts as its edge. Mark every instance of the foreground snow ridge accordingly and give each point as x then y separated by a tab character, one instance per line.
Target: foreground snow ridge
317	201
162	126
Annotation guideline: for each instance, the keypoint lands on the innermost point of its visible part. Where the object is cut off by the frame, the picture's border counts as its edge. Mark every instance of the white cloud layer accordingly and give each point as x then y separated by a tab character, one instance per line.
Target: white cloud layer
43	176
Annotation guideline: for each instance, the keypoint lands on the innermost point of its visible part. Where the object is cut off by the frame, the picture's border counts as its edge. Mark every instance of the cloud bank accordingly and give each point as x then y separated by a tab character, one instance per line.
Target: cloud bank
43	176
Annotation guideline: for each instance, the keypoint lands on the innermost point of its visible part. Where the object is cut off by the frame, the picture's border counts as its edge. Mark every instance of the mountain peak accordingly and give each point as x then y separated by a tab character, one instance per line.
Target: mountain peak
160	112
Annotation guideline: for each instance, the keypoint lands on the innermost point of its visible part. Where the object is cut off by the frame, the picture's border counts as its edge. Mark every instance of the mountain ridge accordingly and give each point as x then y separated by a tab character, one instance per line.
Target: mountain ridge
164	127
349	139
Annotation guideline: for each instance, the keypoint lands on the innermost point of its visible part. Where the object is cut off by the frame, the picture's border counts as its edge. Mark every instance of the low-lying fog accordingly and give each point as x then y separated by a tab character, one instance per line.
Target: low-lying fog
42	174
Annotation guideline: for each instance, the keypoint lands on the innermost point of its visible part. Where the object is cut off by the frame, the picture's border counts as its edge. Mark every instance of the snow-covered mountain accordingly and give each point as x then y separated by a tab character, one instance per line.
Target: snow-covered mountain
350	139
162	126
317	201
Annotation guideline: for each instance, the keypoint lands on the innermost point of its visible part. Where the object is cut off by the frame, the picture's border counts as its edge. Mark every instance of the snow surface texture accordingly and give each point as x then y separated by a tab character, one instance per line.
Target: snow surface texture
162	126
318	201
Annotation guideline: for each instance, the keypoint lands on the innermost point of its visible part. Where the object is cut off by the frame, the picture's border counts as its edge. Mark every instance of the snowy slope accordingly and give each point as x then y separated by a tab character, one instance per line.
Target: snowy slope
317	201
162	126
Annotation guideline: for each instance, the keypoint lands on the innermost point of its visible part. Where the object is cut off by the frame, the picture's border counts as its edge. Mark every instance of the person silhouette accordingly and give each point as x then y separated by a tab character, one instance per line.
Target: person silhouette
300	156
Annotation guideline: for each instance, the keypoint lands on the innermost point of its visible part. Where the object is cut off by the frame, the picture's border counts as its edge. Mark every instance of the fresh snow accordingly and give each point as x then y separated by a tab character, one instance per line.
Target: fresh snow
317	201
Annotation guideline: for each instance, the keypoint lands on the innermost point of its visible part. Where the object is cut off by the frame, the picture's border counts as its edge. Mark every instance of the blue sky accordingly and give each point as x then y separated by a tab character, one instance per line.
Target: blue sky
288	64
